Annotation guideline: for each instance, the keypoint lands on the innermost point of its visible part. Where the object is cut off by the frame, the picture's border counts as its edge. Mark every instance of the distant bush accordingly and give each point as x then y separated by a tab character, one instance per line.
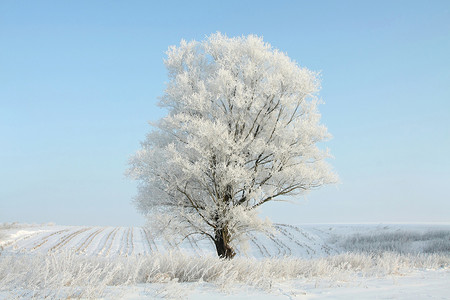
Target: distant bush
6	226
3	228
400	242
440	246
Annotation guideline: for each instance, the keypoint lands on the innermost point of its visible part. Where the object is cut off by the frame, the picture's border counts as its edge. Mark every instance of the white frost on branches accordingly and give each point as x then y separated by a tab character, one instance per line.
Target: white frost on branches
242	130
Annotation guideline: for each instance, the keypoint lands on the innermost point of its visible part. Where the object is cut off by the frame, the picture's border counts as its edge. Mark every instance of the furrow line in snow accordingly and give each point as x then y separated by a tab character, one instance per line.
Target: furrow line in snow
292	238
82	248
131	251
278	247
102	240
145	244
45	239
299	230
316	240
282	247
254	242
123	242
329	249
127	242
149	237
263	247
68	238
14	243
102	247
109	241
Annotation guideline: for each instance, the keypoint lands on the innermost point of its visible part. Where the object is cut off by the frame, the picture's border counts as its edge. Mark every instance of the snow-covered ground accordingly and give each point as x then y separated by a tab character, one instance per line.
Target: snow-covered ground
417	285
304	241
320	261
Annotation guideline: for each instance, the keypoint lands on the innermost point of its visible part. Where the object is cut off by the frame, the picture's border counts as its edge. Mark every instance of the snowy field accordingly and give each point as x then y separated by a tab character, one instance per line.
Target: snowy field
326	261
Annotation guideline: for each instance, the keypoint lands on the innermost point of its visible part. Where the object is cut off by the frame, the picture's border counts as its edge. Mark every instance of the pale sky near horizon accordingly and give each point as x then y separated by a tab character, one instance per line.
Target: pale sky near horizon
80	79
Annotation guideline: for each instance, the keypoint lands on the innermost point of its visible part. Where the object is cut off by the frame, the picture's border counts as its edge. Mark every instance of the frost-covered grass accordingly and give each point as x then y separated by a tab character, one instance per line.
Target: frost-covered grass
437	241
70	275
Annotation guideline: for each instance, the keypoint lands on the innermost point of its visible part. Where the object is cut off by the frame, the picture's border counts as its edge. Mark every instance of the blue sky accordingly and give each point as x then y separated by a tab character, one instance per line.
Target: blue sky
80	79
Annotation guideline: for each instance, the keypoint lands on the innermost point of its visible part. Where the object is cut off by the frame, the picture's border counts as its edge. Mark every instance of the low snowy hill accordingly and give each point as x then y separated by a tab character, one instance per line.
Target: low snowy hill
303	241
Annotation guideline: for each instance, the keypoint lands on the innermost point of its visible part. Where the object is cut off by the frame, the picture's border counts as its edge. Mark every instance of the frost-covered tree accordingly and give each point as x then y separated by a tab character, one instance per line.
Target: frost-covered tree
242	130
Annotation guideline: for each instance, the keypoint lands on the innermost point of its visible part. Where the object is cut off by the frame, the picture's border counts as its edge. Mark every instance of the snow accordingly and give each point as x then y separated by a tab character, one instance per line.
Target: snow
420	285
309	261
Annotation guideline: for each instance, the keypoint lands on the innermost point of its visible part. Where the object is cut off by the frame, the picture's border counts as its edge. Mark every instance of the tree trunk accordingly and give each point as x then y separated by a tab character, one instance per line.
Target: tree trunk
221	240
